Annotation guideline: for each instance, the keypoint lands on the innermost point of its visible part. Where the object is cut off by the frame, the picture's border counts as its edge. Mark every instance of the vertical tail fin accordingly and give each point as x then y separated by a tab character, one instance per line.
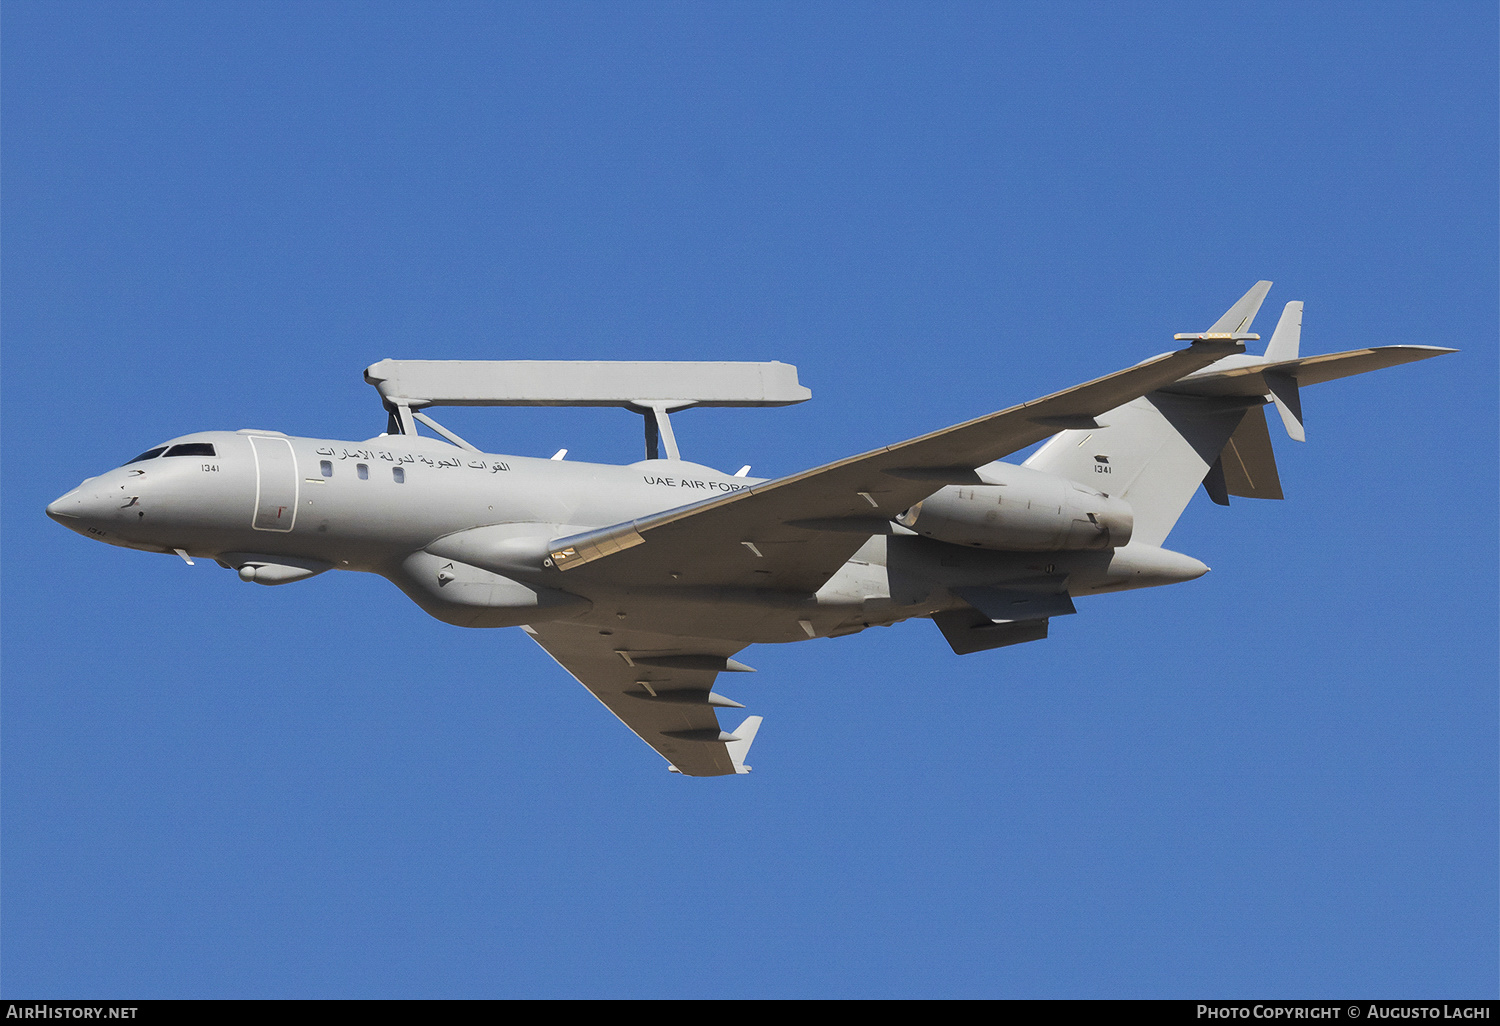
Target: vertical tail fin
1286	340
1157	450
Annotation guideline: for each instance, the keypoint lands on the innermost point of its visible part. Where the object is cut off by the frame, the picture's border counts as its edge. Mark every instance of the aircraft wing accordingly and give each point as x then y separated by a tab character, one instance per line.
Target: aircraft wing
659	685
794	532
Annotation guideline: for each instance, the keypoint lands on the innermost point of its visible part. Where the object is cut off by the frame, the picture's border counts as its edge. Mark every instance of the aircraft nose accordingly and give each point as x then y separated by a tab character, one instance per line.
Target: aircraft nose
64	507
83	506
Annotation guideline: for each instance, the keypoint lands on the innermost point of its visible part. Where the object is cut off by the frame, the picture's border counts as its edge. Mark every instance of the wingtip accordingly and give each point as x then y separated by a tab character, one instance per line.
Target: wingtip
739	748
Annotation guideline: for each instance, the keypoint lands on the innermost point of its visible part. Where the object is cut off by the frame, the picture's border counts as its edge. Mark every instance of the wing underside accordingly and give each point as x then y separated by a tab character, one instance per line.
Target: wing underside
658	685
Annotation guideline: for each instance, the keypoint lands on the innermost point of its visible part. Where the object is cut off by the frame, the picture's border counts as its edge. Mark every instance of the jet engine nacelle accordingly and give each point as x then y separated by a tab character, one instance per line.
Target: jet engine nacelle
1022	510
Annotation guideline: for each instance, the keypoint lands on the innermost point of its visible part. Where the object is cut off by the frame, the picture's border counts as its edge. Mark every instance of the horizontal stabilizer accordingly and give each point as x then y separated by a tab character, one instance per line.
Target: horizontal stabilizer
1249	378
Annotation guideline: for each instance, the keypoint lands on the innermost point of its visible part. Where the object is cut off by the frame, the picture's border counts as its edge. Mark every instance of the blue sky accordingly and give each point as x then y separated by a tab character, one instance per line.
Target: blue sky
1279	780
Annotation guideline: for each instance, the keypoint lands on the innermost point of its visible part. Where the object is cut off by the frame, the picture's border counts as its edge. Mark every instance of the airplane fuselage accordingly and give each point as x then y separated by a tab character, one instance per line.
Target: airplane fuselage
279	508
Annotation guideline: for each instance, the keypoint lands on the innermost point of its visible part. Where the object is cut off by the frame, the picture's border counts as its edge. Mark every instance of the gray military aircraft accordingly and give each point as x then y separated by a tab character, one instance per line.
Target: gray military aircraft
644	581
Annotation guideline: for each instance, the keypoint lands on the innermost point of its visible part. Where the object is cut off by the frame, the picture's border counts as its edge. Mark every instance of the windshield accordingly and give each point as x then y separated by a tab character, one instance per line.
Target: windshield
192	449
149	454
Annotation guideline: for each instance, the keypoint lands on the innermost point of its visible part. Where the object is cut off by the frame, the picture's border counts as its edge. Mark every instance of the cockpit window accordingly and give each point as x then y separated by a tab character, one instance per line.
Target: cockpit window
192	449
149	454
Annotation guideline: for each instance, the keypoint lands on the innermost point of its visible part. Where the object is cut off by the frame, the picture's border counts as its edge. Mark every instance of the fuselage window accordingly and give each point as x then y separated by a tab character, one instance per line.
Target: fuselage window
149	454
192	449
399	474
326	467
363	470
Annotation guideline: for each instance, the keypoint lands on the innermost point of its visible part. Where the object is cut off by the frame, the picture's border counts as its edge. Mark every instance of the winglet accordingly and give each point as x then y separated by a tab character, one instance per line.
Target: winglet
740	748
1237	318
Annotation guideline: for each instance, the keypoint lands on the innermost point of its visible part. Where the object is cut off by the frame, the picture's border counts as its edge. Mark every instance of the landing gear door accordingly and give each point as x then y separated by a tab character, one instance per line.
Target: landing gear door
275	484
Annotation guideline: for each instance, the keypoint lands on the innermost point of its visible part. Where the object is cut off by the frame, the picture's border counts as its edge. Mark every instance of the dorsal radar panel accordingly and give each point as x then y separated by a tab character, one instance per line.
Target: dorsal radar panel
650	388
